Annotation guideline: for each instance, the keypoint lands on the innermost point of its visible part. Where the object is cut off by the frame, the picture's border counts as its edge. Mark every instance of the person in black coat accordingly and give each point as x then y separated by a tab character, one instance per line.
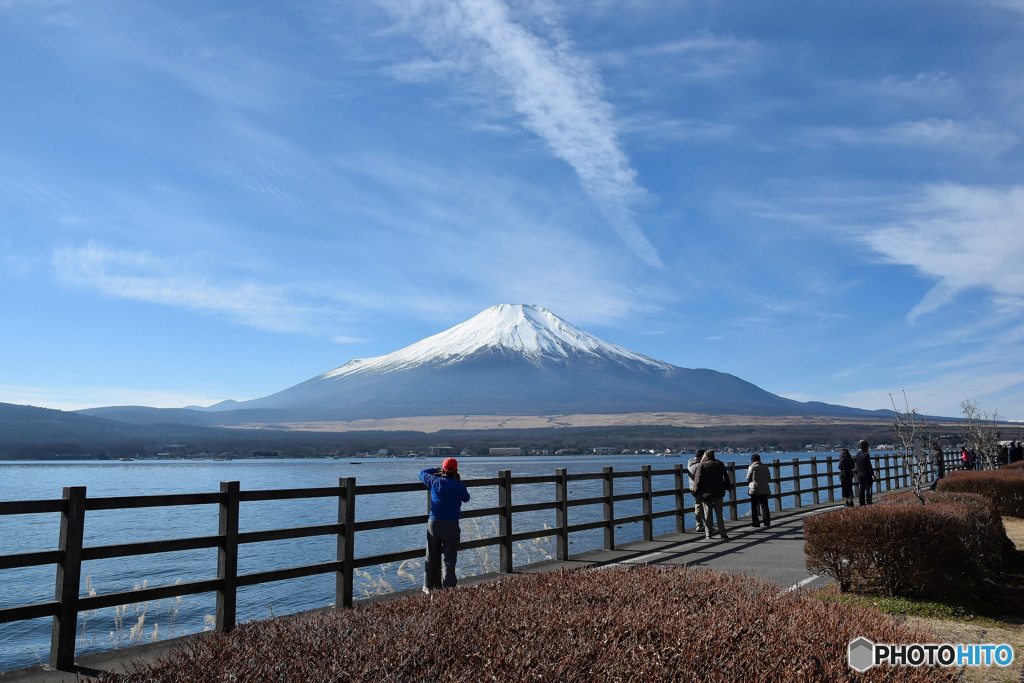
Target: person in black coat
865	473
846	475
711	483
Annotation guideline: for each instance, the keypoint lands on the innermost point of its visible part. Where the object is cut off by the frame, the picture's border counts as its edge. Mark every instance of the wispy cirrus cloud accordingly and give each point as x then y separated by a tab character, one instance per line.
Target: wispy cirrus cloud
495	248
945	134
702	56
961	237
556	93
143	276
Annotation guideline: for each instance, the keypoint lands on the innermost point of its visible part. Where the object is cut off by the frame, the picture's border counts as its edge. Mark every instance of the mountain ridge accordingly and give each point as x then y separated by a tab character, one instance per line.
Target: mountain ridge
514	359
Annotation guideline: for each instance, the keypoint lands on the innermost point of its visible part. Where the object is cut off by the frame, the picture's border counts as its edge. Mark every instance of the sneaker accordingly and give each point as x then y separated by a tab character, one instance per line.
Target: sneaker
725	537
701	530
426	591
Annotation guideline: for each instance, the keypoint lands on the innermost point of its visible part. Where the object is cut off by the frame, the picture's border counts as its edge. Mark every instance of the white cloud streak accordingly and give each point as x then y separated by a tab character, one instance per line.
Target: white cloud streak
943	134
142	276
556	92
962	238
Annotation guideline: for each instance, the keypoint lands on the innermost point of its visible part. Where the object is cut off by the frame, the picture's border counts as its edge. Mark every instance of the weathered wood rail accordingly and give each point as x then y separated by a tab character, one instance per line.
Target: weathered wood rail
814	478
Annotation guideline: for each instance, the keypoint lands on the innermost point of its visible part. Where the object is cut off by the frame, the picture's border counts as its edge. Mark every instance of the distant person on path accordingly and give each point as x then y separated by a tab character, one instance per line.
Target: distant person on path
973	455
865	473
698	507
711	483
1004	455
846	466
447	494
759	487
965	458
939	461
1017	452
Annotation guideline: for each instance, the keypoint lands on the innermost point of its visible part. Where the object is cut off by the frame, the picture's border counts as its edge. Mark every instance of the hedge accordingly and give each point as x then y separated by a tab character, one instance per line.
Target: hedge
1005	487
643	623
902	547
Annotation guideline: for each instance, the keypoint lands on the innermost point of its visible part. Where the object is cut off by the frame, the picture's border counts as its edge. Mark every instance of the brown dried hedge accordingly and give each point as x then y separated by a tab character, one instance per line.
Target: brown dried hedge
1004	486
645	623
902	547
1019	465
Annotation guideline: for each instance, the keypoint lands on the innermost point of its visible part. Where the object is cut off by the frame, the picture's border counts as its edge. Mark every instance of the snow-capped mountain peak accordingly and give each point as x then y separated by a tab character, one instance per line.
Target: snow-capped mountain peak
520	329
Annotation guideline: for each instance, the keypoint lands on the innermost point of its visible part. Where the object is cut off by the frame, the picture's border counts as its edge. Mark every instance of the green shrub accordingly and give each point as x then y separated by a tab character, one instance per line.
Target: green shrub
1005	487
645	623
902	547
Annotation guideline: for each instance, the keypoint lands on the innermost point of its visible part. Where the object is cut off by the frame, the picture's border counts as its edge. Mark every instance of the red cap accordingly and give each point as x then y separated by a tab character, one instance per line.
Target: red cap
450	465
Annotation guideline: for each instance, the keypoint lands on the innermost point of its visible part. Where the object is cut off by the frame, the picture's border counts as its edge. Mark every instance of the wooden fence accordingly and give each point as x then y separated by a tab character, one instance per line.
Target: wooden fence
818	479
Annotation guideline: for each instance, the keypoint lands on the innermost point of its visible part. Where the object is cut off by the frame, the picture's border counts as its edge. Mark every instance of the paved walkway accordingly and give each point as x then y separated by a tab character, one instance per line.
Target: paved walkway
775	554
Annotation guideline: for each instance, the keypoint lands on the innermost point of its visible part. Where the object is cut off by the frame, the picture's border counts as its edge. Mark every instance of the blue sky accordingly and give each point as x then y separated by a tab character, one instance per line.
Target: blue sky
208	200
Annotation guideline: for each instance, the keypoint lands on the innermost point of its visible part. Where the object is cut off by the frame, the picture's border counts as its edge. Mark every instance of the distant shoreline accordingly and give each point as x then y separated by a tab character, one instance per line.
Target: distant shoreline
438	423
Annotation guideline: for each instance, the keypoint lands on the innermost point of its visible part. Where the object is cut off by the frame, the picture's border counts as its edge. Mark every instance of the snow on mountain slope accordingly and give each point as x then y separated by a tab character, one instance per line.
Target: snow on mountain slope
519	329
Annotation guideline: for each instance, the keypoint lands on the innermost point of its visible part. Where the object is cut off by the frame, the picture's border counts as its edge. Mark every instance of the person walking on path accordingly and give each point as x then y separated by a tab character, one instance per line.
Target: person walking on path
447	494
711	483
698	507
939	461
759	487
846	476
865	473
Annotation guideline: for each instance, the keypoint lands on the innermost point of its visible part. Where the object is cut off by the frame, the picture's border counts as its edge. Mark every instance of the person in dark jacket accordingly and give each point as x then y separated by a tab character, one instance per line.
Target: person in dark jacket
939	462
447	494
698	507
711	483
846	476
865	473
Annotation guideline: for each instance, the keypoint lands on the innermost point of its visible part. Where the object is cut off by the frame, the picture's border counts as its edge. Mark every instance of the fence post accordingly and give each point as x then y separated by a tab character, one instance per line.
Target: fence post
562	513
648	502
878	480
343	579
797	490
814	481
505	520
831	480
69	579
777	470
680	511
608	506
227	557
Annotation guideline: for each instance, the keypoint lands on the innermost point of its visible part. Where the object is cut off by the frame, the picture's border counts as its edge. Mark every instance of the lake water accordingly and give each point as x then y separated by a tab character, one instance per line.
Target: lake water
27	642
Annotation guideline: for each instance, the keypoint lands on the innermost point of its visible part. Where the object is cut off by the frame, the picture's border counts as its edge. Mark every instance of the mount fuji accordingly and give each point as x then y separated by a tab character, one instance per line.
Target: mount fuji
511	359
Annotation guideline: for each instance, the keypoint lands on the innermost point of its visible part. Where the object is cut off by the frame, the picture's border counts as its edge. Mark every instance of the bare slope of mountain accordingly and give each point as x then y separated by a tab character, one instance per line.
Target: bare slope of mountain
510	359
30	425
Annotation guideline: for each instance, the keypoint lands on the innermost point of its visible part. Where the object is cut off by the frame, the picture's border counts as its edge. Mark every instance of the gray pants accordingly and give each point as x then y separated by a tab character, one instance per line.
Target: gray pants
698	512
713	507
442	542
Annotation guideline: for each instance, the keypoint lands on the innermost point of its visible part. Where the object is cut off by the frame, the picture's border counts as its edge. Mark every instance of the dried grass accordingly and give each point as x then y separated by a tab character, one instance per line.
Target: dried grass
625	624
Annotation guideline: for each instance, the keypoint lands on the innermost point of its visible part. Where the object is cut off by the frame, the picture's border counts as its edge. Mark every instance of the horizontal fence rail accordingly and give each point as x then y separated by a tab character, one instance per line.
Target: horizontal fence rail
68	602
